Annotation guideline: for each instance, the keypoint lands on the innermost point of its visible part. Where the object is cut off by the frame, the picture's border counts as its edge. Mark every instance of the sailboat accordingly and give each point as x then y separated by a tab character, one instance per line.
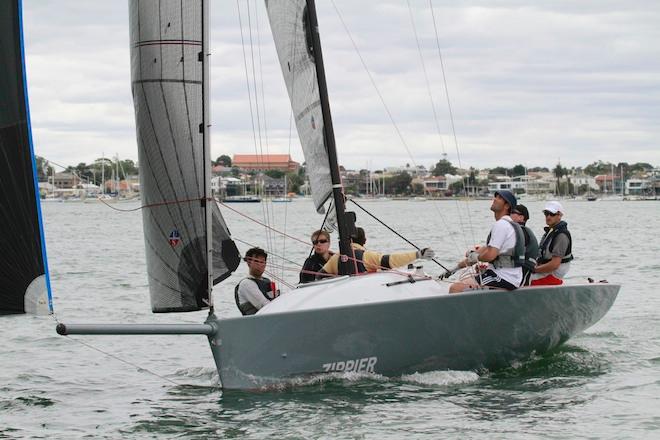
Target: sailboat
24	278
388	323
285	197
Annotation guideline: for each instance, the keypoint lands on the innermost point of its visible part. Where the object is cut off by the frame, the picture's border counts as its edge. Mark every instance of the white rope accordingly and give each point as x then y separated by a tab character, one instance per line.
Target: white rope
256	129
139	368
451	119
373	83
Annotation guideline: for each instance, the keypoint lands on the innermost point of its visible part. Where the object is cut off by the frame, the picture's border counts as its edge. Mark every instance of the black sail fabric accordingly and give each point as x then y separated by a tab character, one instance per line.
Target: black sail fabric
23	275
167	83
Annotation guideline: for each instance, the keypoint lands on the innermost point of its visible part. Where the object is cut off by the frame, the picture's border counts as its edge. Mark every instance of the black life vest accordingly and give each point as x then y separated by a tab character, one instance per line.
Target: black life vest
247	308
516	256
548	242
531	249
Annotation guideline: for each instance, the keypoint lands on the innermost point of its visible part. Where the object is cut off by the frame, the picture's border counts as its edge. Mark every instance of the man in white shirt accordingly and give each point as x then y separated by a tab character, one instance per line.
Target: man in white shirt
504	251
255	291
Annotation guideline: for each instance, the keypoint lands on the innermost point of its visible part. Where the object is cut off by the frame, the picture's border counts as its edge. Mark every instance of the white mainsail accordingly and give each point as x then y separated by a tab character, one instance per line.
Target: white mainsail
168	93
290	28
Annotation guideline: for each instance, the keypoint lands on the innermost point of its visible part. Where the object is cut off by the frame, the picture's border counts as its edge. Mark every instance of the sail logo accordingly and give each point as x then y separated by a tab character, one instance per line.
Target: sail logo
363	365
174	238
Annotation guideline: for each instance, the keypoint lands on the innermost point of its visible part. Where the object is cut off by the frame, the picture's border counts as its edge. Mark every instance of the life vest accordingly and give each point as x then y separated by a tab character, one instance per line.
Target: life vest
313	264
531	249
514	257
247	308
548	241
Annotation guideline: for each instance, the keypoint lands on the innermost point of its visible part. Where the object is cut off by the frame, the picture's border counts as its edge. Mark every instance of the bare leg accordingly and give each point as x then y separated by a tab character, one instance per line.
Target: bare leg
465	283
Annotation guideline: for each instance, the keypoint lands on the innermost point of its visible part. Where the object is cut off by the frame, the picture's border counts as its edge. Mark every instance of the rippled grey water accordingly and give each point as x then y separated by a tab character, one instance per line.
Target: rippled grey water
602	384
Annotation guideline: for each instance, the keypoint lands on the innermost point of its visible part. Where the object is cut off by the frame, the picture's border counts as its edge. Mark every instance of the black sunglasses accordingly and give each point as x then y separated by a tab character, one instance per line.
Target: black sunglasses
551	214
323	240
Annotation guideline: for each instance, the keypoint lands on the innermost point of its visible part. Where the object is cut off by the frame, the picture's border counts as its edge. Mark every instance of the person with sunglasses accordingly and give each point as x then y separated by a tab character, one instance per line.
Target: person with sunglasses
520	215
555	249
315	262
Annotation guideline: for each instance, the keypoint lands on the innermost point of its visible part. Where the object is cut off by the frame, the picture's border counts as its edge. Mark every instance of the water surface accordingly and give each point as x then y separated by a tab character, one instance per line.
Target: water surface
604	383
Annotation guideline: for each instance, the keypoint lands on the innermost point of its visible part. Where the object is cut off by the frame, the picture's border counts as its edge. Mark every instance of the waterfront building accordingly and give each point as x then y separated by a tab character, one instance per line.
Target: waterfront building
435	186
265	162
65	180
609	183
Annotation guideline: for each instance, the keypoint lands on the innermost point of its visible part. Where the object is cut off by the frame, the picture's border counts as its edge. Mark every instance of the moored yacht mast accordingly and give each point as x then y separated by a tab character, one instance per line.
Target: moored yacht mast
345	220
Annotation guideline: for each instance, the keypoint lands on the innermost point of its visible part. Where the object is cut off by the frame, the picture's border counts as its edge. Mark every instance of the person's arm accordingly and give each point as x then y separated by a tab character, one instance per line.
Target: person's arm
480	253
306	274
331	267
559	249
548	267
248	290
394	260
488	253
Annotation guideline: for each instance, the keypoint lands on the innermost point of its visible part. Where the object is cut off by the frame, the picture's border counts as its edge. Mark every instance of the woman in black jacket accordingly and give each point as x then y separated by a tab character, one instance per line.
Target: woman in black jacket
313	264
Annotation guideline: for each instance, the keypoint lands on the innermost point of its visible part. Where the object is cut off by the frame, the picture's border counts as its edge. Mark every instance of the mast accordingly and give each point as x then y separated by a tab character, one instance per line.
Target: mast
206	124
102	174
345	220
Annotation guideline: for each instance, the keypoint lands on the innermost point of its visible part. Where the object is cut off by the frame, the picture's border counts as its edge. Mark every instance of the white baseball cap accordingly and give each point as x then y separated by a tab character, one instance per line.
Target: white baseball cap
554	207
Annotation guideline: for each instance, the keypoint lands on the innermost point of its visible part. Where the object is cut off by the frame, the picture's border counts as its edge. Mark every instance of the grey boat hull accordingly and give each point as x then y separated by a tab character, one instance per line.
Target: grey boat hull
480	329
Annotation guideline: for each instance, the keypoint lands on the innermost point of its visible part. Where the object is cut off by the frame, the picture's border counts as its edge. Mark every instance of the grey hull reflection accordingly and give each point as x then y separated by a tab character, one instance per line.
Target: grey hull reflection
459	332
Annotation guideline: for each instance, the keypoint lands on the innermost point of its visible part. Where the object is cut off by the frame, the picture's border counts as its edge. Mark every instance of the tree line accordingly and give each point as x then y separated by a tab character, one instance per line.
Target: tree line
444	166
401	183
91	173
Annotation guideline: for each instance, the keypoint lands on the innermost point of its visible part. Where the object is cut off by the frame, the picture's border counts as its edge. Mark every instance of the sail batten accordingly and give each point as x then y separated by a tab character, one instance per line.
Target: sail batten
168	95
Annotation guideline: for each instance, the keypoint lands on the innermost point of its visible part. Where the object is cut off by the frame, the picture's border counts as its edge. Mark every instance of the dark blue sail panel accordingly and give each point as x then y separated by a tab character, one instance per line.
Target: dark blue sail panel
168	95
24	285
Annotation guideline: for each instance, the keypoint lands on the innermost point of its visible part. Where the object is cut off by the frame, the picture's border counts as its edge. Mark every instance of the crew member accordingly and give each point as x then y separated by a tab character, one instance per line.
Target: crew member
555	249
254	291
315	262
370	261
520	215
504	250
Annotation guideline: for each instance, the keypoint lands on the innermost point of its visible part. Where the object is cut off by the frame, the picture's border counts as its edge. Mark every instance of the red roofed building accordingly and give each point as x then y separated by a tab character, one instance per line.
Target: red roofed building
609	183
264	162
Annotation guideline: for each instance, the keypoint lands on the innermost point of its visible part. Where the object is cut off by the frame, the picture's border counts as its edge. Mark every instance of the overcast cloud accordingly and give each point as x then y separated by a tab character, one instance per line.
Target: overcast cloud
529	82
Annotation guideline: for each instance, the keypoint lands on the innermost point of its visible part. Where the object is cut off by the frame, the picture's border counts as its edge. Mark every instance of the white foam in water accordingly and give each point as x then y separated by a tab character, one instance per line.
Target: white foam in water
205	374
201	372
442	378
303	381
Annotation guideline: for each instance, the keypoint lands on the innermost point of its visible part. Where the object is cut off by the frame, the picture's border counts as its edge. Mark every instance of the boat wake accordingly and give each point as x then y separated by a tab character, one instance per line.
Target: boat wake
441	378
565	364
348	379
197	373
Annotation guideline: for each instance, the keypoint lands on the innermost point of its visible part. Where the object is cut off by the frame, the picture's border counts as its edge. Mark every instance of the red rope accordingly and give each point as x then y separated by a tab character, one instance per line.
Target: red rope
152	205
284	234
355	260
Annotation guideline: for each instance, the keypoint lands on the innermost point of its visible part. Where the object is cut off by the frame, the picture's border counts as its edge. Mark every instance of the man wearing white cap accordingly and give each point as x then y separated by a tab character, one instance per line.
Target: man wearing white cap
555	249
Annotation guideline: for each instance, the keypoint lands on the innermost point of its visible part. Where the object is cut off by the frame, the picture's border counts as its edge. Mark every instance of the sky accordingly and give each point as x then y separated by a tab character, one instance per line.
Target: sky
531	82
